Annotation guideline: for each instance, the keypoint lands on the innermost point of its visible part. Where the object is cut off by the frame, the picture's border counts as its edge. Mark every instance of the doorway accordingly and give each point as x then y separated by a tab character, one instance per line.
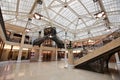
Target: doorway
47	55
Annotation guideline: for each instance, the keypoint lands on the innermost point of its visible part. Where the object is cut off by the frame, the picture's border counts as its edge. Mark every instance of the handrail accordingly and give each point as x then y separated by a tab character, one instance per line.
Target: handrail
2	24
112	34
100	51
108	38
101	43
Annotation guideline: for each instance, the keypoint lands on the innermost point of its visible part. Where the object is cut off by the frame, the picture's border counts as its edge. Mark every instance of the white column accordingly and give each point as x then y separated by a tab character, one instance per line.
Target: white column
70	58
56	52
65	53
65	57
42	33
21	47
40	53
117	58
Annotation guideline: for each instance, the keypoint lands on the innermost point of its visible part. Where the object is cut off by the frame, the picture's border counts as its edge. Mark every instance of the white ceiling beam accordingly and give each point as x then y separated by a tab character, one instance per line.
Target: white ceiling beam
103	9
60	1
56	24
37	27
72	22
85	8
58	12
51	3
71	8
61	16
70	1
89	27
115	24
94	38
55	6
77	15
7	11
9	20
44	6
33	6
17	8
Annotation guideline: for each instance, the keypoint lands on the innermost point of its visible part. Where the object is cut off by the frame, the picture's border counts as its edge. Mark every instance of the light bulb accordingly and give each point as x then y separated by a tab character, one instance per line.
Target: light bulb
27	30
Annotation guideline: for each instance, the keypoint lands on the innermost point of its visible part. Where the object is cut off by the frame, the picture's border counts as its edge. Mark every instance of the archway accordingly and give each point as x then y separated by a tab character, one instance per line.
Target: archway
39	41
49	33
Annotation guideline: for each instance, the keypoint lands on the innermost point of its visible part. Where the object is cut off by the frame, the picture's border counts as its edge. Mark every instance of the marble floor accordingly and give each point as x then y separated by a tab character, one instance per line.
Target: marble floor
114	71
46	71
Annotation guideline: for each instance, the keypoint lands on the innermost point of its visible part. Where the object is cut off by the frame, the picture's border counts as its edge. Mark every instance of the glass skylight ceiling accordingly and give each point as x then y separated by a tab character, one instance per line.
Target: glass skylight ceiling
76	17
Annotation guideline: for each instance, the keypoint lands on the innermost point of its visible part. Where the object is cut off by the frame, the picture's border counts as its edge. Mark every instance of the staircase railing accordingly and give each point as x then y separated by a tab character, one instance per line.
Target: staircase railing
100	43
2	24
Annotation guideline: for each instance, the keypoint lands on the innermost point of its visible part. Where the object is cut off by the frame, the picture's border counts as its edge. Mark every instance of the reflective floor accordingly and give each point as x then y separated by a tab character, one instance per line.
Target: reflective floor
114	71
46	71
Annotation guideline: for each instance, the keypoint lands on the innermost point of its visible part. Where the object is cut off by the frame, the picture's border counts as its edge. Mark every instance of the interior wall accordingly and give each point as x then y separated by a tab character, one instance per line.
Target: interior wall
15	54
5	53
1	47
53	55
112	59
24	54
34	55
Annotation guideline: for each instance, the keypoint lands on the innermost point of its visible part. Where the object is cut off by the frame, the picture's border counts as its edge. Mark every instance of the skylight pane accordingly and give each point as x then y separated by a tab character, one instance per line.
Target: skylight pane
89	4
112	5
78	8
68	14
8	17
51	14
61	20
81	26
20	23
114	18
25	5
9	5
47	2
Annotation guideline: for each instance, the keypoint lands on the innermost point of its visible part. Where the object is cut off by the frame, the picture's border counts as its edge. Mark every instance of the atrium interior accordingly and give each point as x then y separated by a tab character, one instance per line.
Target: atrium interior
60	39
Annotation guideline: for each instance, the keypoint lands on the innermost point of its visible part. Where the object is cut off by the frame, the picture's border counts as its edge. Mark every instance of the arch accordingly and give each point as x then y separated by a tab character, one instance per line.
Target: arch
108	59
101	60
39	41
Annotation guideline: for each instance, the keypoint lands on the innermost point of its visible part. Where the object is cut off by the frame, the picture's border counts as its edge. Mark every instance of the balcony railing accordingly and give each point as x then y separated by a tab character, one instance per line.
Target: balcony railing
89	48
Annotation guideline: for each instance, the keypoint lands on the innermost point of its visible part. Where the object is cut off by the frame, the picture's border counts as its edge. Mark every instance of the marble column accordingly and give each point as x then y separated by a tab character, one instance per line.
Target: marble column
21	47
117	57
70	58
65	57
40	53
56	53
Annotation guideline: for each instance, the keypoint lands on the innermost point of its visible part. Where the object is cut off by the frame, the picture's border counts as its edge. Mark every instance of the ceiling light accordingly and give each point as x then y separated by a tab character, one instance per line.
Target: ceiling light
107	30
90	41
49	26
100	15
27	30
37	16
50	36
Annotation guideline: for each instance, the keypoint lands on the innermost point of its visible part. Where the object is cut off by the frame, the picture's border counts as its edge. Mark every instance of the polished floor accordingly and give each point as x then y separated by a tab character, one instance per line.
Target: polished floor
114	71
46	71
